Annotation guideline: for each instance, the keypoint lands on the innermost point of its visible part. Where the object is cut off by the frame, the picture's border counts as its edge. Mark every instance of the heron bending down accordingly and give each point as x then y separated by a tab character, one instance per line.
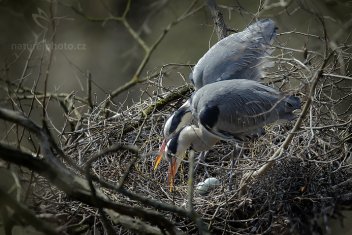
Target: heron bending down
241	55
231	109
238	56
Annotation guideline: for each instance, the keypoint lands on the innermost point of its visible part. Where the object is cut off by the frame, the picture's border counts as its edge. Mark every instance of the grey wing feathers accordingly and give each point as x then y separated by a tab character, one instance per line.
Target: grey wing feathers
243	107
238	56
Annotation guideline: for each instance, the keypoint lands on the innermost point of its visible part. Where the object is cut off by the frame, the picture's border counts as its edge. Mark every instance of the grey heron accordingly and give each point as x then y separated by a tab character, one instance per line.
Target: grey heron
230	109
239	56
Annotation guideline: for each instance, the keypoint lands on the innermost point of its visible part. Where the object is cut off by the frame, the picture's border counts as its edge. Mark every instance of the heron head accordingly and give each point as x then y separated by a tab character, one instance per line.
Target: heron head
175	147
169	150
173	126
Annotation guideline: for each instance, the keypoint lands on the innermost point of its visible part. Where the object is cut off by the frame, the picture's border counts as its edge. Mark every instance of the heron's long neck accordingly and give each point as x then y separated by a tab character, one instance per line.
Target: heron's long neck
178	119
197	138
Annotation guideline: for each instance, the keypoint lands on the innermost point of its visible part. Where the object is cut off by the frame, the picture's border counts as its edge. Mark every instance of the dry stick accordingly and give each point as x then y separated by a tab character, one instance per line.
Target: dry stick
96	156
39	95
281	4
138	226
345	183
140	130
31	106
219	23
106	224
333	45
65	100
191	181
128	170
161	103
114	148
26	65
26	214
60	97
51	56
89	90
202	227
19	118
158	105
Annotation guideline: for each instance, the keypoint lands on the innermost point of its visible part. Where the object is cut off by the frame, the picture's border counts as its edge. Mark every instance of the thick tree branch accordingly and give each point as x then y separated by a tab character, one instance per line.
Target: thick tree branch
219	23
19	118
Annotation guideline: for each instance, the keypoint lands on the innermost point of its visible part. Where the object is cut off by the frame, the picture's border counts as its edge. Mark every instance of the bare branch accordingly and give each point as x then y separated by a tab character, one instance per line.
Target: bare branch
219	23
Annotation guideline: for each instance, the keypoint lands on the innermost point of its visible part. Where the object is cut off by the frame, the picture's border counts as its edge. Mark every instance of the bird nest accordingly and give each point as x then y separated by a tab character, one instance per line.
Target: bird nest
304	187
306	184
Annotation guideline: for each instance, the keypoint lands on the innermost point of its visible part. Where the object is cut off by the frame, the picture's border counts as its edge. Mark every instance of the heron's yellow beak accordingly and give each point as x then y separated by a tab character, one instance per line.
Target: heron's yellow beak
173	167
171	173
160	155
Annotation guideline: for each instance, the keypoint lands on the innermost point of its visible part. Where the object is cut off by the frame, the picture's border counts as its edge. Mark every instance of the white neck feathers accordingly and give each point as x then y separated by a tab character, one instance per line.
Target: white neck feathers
197	138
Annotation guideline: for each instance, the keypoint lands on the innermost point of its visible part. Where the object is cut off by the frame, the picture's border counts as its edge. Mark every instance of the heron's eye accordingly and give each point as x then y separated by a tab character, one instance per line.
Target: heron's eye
170	155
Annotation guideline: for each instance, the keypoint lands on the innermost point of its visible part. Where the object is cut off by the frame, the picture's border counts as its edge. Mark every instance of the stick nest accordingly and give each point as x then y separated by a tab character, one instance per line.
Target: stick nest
306	186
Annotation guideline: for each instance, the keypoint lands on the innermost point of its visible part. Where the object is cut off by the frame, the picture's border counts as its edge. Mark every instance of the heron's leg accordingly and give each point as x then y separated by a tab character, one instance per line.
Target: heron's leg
238	149
201	158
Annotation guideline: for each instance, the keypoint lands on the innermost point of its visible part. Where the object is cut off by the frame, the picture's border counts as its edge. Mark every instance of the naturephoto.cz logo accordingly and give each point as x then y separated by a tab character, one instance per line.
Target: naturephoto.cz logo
49	46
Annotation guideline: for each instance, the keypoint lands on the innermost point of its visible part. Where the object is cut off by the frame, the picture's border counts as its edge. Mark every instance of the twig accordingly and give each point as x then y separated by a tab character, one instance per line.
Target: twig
219	23
89	90
51	56
158	105
106	224
191	181
96	156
